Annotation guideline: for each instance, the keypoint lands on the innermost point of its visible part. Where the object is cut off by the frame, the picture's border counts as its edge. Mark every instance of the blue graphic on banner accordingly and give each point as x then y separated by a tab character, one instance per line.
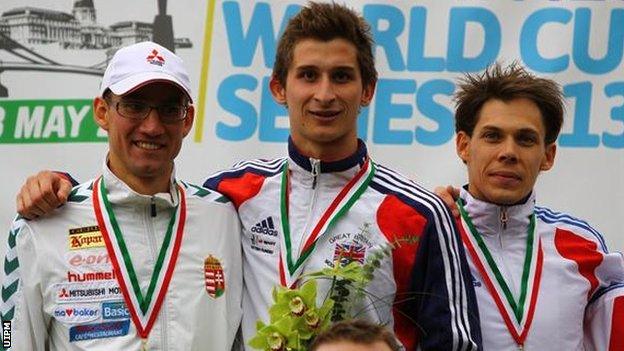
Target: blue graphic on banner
99	330
401	38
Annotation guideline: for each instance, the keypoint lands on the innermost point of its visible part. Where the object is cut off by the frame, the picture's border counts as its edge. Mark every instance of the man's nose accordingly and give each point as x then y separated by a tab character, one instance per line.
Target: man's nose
152	124
325	92
508	151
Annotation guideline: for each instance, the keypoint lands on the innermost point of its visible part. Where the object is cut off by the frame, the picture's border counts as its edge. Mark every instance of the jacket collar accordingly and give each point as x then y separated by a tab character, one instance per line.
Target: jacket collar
357	158
487	217
119	193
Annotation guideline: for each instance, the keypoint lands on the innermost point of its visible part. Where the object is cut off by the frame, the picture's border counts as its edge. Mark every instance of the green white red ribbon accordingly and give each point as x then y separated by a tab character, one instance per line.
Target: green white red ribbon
143	306
290	266
517	313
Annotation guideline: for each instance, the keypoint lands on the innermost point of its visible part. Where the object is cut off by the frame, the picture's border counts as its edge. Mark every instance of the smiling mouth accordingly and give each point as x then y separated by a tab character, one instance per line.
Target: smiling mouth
145	145
325	114
506	176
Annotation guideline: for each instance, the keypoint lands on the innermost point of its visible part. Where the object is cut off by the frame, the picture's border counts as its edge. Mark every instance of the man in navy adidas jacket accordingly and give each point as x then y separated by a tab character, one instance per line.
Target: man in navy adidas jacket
329	203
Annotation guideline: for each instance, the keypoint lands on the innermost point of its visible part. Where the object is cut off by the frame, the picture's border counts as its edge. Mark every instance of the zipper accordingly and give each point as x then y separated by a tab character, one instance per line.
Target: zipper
316	170
153	248
507	273
503	223
503	217
152	207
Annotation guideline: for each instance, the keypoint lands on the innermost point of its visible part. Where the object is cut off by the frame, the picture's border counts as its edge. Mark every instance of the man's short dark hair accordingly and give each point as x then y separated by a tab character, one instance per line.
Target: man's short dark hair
325	22
357	332
506	84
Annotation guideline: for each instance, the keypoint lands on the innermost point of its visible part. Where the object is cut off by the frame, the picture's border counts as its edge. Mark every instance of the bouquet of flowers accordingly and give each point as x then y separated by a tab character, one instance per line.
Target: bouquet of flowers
295	317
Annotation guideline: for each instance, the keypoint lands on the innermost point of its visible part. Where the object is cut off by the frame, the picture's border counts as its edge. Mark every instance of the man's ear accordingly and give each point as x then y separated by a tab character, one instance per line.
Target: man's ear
188	121
549	157
462	143
368	93
277	90
100	115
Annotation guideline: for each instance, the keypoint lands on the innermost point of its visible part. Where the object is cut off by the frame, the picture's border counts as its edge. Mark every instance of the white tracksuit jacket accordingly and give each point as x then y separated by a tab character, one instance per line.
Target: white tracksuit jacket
61	292
570	269
423	287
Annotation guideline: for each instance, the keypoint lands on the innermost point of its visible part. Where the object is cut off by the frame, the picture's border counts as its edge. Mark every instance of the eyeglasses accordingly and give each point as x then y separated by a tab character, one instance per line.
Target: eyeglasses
139	110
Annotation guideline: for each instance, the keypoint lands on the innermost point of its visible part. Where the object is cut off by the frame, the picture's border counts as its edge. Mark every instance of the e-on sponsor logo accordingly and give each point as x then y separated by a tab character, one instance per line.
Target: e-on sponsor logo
90	259
115	310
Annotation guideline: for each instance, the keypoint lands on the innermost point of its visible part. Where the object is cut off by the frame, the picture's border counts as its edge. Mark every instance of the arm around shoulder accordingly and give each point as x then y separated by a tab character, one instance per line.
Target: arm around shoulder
42	193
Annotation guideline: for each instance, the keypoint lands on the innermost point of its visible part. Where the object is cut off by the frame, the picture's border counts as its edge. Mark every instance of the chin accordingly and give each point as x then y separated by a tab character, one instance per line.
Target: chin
149	171
506	199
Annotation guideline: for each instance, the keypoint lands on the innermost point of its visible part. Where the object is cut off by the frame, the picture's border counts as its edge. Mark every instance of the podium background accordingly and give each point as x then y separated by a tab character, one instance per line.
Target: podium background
46	120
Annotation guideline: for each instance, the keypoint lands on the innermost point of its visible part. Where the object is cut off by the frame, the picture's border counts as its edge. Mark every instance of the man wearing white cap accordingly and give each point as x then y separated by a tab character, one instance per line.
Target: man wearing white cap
136	258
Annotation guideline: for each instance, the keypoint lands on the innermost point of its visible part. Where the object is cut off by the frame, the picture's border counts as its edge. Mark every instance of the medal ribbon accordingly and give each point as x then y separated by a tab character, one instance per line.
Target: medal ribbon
143	308
531	274
345	199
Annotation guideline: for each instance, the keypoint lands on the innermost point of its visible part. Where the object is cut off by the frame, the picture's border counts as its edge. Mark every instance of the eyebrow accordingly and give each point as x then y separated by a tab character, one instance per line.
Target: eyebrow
139	98
313	67
521	130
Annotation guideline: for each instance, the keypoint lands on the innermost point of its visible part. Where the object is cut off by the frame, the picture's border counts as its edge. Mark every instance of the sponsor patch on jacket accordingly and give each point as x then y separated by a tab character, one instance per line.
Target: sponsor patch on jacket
71	314
214	277
99	330
115	310
88	291
85	238
92	259
90	276
264	236
263	244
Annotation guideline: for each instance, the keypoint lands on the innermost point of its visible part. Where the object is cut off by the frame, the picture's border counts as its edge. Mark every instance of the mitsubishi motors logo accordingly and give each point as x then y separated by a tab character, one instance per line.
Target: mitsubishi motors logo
63	293
155	59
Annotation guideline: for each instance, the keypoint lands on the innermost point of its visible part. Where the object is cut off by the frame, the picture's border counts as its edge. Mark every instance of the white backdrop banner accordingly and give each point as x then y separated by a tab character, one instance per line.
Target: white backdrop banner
52	56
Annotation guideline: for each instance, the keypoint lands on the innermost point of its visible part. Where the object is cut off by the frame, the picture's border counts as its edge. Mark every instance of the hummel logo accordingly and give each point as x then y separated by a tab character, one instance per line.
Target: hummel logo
265	227
155	59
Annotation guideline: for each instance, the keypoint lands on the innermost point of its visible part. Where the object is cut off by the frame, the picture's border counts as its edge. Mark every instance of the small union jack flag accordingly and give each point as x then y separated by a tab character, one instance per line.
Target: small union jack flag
349	252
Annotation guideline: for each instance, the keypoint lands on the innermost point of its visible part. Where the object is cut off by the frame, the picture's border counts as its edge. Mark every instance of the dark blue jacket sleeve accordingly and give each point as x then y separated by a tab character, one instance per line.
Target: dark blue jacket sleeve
445	307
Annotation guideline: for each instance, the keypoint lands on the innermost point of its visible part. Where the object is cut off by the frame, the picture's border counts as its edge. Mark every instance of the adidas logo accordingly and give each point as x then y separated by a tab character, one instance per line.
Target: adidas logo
266	227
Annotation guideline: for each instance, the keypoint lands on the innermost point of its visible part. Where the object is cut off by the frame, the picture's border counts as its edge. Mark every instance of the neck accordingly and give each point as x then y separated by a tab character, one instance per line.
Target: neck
148	185
503	202
327	152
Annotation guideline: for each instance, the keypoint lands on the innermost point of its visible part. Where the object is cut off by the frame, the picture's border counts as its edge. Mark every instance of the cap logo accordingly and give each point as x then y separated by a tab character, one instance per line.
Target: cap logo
155	59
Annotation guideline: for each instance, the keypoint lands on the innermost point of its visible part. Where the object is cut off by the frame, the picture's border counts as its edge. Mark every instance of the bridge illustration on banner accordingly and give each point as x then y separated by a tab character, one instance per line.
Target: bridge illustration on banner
22	58
32	61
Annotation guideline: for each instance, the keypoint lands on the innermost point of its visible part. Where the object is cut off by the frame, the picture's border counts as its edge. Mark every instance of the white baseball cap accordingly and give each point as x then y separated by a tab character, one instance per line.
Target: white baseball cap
142	63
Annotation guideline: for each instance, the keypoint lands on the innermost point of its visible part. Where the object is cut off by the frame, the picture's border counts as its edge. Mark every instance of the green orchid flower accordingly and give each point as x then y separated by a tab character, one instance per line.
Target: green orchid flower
278	336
